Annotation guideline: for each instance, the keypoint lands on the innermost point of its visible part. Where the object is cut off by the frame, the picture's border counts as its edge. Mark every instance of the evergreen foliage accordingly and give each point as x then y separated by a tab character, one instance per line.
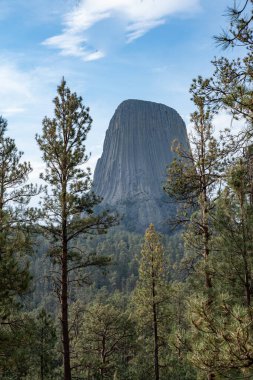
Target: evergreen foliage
68	204
104	344
167	307
28	347
15	195
150	302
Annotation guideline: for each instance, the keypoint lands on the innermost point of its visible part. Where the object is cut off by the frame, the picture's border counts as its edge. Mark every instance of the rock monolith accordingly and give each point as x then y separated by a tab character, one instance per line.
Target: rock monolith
130	174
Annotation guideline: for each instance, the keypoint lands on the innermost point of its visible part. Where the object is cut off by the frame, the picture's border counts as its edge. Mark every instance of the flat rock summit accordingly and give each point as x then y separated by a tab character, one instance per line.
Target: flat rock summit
130	174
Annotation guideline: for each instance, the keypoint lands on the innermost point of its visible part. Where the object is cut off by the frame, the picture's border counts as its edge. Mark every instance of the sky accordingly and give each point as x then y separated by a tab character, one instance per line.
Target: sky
108	51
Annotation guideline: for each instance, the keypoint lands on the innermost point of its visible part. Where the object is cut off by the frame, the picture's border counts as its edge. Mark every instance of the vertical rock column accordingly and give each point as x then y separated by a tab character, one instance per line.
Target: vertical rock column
131	171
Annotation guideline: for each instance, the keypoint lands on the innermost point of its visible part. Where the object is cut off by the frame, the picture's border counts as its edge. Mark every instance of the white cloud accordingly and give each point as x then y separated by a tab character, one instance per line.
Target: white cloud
73	45
138	17
225	120
26	90
139	28
15	90
9	111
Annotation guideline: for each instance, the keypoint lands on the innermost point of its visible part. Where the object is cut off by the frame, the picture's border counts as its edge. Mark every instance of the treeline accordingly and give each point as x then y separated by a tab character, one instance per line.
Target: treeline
78	304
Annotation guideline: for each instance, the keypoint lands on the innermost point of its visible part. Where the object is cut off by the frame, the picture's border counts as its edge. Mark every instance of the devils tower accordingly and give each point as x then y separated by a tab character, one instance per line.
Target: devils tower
129	175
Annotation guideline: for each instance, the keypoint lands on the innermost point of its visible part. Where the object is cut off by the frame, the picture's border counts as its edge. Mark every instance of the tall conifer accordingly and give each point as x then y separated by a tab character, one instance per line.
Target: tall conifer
68	205
15	195
150	300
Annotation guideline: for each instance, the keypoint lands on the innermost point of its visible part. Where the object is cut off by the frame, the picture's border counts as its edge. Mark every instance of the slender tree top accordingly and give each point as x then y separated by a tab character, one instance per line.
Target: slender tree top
63	136
152	264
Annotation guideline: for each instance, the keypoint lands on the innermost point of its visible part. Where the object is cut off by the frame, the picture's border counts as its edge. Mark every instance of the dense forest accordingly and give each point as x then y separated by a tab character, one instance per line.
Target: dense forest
82	298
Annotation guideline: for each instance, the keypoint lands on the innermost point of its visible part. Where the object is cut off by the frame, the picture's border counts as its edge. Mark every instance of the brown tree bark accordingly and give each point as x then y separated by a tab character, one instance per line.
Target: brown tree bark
64	285
64	317
156	346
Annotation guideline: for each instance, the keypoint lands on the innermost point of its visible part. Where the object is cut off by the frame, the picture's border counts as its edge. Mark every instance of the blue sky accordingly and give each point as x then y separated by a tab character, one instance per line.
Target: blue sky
108	51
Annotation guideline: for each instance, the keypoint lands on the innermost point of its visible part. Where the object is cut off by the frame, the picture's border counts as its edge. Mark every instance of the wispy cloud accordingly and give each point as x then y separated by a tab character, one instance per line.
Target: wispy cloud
15	90
137	16
73	45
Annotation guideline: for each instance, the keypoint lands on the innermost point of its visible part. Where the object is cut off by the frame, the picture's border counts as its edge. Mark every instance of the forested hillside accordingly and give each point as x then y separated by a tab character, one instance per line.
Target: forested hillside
83	298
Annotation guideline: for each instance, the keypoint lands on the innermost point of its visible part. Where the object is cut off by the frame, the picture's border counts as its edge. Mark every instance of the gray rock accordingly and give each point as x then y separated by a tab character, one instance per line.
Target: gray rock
129	175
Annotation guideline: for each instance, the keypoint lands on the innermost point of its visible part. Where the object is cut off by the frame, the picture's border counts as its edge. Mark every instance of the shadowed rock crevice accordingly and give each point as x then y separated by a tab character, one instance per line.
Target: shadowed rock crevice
137	149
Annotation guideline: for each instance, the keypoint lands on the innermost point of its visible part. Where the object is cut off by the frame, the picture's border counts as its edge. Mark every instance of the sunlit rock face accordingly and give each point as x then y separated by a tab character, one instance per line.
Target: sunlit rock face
129	175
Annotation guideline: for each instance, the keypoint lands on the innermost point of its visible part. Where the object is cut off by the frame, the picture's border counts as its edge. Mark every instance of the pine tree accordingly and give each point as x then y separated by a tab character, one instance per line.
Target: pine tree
233	268
104	343
150	301
28	347
228	318
68	206
230	86
15	195
192	180
15	244
44	345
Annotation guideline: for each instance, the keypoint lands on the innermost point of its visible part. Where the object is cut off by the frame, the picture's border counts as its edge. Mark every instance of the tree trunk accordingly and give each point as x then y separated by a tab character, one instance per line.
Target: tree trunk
205	226
208	279
64	319
156	347
42	355
64	279
102	369
247	277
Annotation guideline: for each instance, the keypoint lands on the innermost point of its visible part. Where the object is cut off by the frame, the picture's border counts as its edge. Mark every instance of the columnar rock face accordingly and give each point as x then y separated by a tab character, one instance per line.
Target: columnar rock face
129	175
